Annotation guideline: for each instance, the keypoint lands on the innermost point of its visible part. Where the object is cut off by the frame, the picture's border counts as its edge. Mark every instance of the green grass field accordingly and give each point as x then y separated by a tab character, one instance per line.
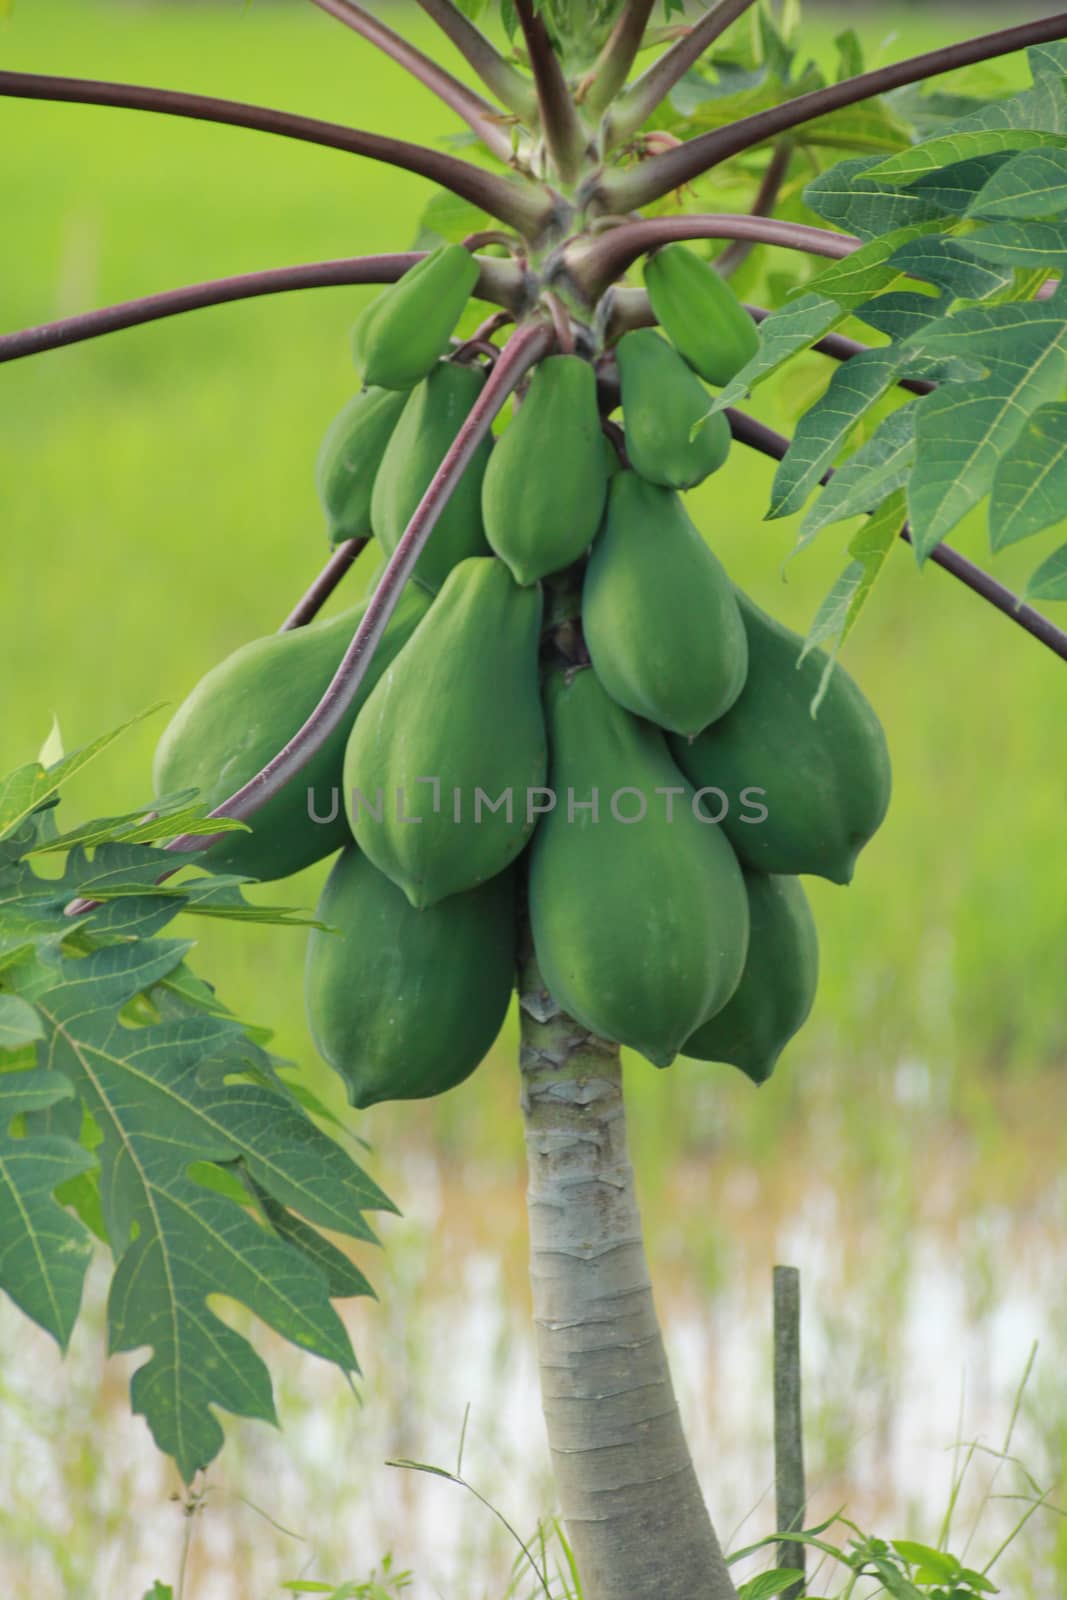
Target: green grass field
158	510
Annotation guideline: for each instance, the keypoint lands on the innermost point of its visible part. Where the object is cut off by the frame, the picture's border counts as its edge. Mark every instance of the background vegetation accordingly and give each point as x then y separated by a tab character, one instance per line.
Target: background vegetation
158	511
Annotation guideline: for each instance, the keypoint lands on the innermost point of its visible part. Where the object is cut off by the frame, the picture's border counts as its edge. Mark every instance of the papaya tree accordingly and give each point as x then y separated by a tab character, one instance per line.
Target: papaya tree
557	750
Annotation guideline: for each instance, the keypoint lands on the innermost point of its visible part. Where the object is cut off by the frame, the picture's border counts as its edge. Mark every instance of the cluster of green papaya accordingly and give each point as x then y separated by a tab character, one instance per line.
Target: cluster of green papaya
574	717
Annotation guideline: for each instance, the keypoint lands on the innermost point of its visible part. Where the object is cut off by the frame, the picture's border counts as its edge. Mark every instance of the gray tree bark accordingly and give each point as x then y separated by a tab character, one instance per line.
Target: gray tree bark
628	1493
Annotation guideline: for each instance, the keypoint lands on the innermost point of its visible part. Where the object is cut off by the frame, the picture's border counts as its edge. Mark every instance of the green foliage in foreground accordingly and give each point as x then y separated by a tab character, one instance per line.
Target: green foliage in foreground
135	1107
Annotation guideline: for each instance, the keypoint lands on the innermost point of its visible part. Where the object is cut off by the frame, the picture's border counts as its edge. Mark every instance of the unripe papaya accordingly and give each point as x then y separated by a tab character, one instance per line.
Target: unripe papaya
544	487
777	988
436	777
699	312
638	908
823	781
670	439
404	330
405	1004
660	618
349	458
246	709
429	422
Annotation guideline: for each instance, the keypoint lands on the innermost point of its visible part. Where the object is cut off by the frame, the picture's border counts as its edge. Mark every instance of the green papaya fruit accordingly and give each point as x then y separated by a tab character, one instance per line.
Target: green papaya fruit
544	487
405	329
670	439
661	622
242	713
777	988
699	312
805	793
429	422
405	1004
437	770
349	458
638	909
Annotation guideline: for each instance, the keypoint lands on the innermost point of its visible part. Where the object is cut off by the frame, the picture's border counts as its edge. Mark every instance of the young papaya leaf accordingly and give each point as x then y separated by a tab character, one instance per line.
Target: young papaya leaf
964	429
28	787
19	1023
1033	184
879	467
839	612
824	428
1021	244
870	125
46	1251
796	326
1030	487
51	752
850	57
849	199
1049	582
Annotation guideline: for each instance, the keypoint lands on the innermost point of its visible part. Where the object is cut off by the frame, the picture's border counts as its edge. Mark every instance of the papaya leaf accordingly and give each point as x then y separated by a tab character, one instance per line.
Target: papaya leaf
879	467
46	1252
964	429
849	199
1030	487
949	148
1033	184
1049	582
871	269
140	1063
955	187
163	819
785	333
1021	244
947	263
822	431
31	786
19	1023
838	614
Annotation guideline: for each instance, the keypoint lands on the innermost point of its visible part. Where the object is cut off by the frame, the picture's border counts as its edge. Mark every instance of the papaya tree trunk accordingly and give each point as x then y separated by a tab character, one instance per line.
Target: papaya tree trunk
628	1493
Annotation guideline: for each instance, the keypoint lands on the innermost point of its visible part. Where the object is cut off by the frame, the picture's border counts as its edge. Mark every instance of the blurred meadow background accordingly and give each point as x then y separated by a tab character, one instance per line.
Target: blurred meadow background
158	510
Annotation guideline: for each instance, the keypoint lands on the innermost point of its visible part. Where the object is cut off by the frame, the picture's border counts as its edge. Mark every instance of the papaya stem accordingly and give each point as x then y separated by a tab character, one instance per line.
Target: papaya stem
483	118
638	186
737	253
561	126
518	202
612	67
747	430
622	1464
499	282
597	263
638	102
525	347
311	603
498	75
